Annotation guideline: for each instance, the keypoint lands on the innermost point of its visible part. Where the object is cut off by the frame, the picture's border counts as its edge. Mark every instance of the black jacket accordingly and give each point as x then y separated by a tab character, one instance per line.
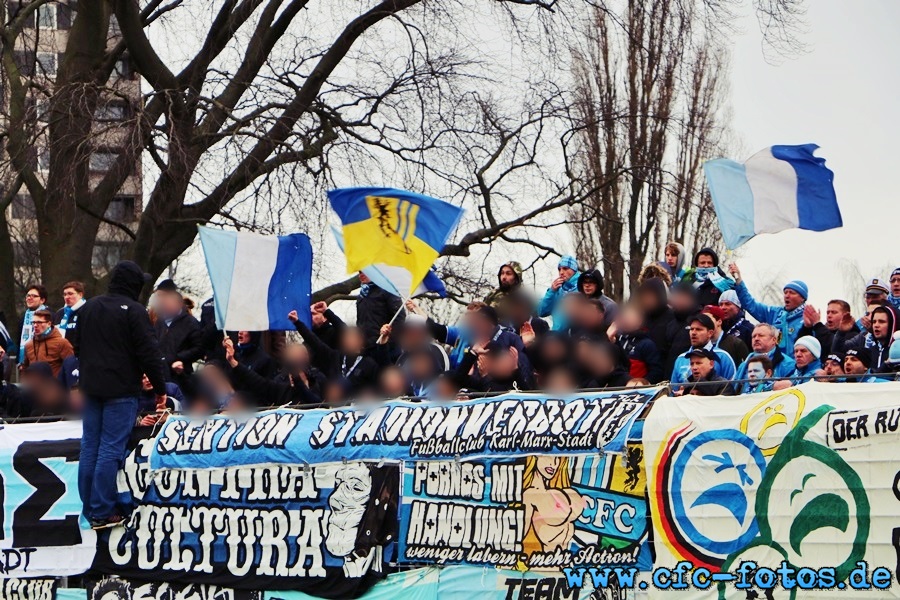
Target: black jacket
255	358
374	308
180	341
742	329
359	372
713	385
519	380
117	341
679	336
658	321
71	330
272	392
211	336
735	347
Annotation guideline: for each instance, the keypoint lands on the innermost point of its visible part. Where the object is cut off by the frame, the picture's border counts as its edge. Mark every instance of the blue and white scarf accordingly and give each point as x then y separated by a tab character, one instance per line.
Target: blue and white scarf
27	330
702	274
786	331
67	321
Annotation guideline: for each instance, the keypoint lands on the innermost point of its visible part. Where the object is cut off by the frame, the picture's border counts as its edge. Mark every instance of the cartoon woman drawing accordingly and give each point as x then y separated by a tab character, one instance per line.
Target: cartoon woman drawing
551	505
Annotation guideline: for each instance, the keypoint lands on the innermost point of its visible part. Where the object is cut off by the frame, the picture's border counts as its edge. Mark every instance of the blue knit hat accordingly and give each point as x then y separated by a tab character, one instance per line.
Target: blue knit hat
799	287
569	262
894	353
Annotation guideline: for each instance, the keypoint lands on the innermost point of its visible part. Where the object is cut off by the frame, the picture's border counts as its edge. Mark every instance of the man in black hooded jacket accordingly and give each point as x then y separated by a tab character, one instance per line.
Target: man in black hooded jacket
590	283
117	347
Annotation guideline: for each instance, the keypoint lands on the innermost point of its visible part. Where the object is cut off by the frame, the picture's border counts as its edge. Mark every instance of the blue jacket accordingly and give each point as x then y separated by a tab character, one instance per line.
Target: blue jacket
782	365
550	305
788	324
801	375
682	369
758	388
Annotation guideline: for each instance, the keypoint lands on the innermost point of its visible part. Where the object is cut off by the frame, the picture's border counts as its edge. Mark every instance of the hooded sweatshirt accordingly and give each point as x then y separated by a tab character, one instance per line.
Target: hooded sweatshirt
609	305
881	348
709	282
499	293
117	343
678	272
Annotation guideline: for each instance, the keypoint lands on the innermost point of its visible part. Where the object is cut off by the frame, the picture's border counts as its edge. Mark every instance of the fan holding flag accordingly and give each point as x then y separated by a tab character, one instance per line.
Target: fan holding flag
393	238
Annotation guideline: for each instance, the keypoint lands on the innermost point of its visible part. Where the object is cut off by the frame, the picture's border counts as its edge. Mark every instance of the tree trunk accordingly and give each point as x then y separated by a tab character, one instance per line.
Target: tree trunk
8	296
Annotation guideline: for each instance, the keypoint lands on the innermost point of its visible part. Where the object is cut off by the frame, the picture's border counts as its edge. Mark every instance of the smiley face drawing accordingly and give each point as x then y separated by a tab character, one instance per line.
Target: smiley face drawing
813	504
769	421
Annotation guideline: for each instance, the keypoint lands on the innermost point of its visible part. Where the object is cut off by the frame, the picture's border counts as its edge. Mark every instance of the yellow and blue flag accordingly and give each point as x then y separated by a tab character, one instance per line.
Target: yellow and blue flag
393	227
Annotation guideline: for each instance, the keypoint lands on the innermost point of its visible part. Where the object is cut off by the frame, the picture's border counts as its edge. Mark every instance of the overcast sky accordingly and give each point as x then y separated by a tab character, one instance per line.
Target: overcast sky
842	95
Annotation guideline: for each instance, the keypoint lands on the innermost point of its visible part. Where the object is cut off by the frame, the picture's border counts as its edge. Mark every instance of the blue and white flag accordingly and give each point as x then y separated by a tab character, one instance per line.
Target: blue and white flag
258	279
396	280
782	187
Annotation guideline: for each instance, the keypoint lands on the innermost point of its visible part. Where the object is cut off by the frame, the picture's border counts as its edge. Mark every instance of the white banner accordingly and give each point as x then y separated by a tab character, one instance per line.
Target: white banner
42	533
807	477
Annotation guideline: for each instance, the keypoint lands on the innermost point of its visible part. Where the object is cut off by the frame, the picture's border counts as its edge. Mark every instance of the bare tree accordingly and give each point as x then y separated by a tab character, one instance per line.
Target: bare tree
631	88
652	96
243	116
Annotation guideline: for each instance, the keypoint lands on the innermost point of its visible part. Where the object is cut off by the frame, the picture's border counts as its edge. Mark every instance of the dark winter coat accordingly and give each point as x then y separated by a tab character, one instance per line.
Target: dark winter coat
117	341
374	308
359	372
644	357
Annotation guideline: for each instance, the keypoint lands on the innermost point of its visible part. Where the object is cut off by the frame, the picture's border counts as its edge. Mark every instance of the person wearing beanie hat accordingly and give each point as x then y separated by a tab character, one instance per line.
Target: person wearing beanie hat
787	319
707	278
807	356
893	358
833	366
565	283
166	285
735	323
858	366
894	281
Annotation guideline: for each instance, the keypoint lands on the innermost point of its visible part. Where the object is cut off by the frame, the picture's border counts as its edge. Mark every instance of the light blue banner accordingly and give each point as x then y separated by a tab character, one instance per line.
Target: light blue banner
508	425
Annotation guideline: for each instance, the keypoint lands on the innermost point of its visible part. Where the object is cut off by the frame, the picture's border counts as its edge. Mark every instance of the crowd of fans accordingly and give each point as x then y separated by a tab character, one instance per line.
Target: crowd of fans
697	327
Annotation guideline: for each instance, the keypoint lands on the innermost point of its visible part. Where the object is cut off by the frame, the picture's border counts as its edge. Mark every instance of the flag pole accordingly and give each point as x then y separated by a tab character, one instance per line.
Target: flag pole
399	310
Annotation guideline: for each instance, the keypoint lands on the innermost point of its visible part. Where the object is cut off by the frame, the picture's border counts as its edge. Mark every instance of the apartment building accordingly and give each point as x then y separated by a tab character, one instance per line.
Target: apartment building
38	53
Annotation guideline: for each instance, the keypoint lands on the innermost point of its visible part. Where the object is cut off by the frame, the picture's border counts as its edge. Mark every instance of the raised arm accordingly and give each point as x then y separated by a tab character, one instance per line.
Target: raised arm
319	348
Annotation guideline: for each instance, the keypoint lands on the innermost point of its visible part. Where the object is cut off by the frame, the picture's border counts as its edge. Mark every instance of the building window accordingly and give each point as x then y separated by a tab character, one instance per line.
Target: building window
47	63
121	209
103	160
122	69
43	159
107	255
23	207
112	111
46	16
42	110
